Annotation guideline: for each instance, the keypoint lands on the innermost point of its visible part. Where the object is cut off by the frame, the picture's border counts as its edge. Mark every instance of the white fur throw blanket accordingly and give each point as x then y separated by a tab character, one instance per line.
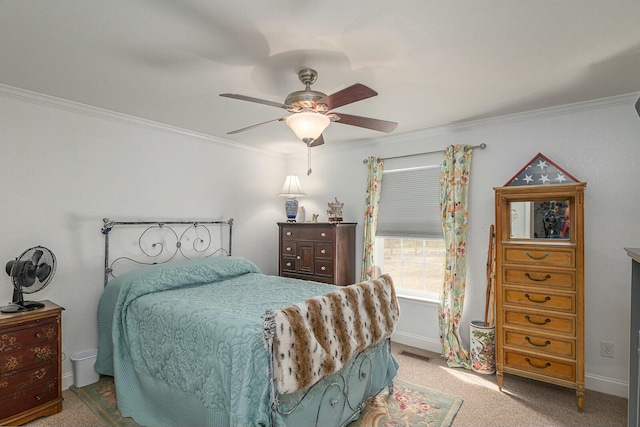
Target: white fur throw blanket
316	337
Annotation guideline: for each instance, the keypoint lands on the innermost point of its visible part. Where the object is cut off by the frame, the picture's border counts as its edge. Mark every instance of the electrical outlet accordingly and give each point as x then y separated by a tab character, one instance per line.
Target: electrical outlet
606	349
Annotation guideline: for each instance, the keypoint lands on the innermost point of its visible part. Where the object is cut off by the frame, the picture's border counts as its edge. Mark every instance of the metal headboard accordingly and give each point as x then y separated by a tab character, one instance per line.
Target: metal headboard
200	245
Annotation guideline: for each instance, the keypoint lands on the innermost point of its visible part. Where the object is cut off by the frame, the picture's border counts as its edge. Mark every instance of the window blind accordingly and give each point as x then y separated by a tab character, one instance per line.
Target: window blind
410	203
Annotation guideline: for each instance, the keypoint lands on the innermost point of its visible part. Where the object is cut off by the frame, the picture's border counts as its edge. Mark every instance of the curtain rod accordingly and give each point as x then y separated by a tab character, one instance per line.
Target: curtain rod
481	146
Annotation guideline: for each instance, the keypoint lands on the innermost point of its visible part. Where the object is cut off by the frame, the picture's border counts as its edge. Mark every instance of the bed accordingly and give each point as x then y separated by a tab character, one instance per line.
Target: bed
213	342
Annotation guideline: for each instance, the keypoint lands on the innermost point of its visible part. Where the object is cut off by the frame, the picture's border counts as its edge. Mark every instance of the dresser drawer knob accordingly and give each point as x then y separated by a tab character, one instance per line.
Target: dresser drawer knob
546	365
323	268
323	251
548	254
526	316
288	264
289	249
38	397
288	233
547	298
323	234
547	277
546	343
38	375
298	257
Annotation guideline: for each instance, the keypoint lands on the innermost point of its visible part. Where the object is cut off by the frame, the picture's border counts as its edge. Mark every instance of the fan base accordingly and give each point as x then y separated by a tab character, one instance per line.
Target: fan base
18	307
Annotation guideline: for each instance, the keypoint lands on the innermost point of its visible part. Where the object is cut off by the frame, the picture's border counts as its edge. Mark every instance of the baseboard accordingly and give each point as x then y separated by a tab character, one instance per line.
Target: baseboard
417	341
606	385
67	380
592	382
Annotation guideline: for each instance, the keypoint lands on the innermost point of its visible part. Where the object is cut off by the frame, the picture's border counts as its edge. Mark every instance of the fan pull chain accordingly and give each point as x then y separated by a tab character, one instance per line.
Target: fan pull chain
309	159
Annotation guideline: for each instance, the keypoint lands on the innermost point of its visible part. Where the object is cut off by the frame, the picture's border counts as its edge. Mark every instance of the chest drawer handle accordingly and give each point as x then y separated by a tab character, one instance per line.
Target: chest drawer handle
38	397
547	298
323	268
526	316
548	254
298	257
323	234
323	251
289	249
288	264
38	335
546	343
546	365
288	233
547	277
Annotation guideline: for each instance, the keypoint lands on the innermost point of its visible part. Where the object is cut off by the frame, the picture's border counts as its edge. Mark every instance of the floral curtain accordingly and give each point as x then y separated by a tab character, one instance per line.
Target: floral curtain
454	191
374	185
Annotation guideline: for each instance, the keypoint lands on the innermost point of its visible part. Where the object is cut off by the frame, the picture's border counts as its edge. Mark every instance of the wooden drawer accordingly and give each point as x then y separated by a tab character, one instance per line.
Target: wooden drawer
540	322
29	334
558	256
28	398
288	263
546	277
541	365
288	248
546	344
321	234
324	268
12	381
324	250
541	300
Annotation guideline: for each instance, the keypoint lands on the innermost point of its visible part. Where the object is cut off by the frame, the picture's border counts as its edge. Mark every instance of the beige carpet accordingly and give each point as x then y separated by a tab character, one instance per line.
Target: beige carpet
522	402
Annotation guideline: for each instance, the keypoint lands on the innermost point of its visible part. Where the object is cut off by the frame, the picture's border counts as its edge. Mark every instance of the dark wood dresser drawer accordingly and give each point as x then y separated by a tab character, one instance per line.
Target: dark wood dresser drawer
315	234
23	400
11	381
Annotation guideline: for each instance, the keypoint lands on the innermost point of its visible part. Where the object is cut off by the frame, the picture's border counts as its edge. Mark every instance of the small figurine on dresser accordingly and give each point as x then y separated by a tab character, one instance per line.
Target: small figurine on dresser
335	211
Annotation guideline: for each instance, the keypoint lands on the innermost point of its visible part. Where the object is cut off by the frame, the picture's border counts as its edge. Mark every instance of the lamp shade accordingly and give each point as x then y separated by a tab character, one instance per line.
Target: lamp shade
292	187
308	126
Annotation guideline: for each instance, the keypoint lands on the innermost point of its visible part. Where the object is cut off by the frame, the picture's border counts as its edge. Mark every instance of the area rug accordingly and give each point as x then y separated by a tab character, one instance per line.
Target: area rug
410	405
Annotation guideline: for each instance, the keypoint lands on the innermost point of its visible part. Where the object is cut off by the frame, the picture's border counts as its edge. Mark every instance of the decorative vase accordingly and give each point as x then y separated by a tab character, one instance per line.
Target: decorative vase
291	208
483	350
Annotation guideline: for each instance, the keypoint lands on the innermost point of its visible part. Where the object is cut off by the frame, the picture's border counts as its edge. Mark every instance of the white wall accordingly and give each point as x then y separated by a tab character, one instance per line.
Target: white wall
597	142
64	167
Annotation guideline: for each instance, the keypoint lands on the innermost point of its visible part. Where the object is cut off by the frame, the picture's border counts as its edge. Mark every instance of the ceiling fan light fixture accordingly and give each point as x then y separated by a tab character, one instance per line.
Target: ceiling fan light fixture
307	125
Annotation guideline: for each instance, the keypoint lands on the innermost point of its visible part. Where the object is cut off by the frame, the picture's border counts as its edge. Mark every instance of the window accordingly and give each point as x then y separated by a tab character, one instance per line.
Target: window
409	243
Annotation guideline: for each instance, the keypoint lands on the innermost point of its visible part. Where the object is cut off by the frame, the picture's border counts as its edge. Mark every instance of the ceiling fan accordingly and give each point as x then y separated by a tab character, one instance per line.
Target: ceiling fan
312	111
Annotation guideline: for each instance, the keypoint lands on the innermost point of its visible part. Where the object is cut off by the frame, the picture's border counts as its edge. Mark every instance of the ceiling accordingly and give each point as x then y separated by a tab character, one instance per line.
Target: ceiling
433	63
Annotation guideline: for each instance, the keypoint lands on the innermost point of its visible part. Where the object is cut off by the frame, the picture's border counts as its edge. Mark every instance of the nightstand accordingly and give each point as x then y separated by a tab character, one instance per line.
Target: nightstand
30	364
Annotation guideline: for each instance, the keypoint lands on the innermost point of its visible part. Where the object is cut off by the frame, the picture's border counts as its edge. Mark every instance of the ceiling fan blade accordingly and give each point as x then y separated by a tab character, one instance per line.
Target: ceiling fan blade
356	92
366	122
255	126
318	141
252	99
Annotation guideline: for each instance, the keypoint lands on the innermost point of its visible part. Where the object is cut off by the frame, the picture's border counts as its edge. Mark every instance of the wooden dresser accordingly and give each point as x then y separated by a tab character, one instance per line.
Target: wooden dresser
540	284
30	364
322	252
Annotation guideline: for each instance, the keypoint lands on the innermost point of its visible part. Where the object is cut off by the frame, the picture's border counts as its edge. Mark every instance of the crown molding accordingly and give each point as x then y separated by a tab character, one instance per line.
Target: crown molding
40	99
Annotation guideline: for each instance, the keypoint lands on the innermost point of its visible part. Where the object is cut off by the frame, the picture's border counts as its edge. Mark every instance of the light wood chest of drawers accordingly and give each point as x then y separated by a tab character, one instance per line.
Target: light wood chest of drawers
30	364
540	289
322	252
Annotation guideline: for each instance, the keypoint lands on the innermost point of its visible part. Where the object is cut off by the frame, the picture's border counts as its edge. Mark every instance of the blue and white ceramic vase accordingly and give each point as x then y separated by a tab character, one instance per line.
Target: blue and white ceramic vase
291	208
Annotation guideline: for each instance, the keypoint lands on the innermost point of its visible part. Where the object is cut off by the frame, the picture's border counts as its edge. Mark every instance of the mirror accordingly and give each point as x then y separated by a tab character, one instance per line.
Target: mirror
546	219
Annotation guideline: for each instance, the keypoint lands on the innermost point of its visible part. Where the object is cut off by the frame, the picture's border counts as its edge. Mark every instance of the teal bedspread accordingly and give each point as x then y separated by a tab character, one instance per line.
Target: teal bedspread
184	343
